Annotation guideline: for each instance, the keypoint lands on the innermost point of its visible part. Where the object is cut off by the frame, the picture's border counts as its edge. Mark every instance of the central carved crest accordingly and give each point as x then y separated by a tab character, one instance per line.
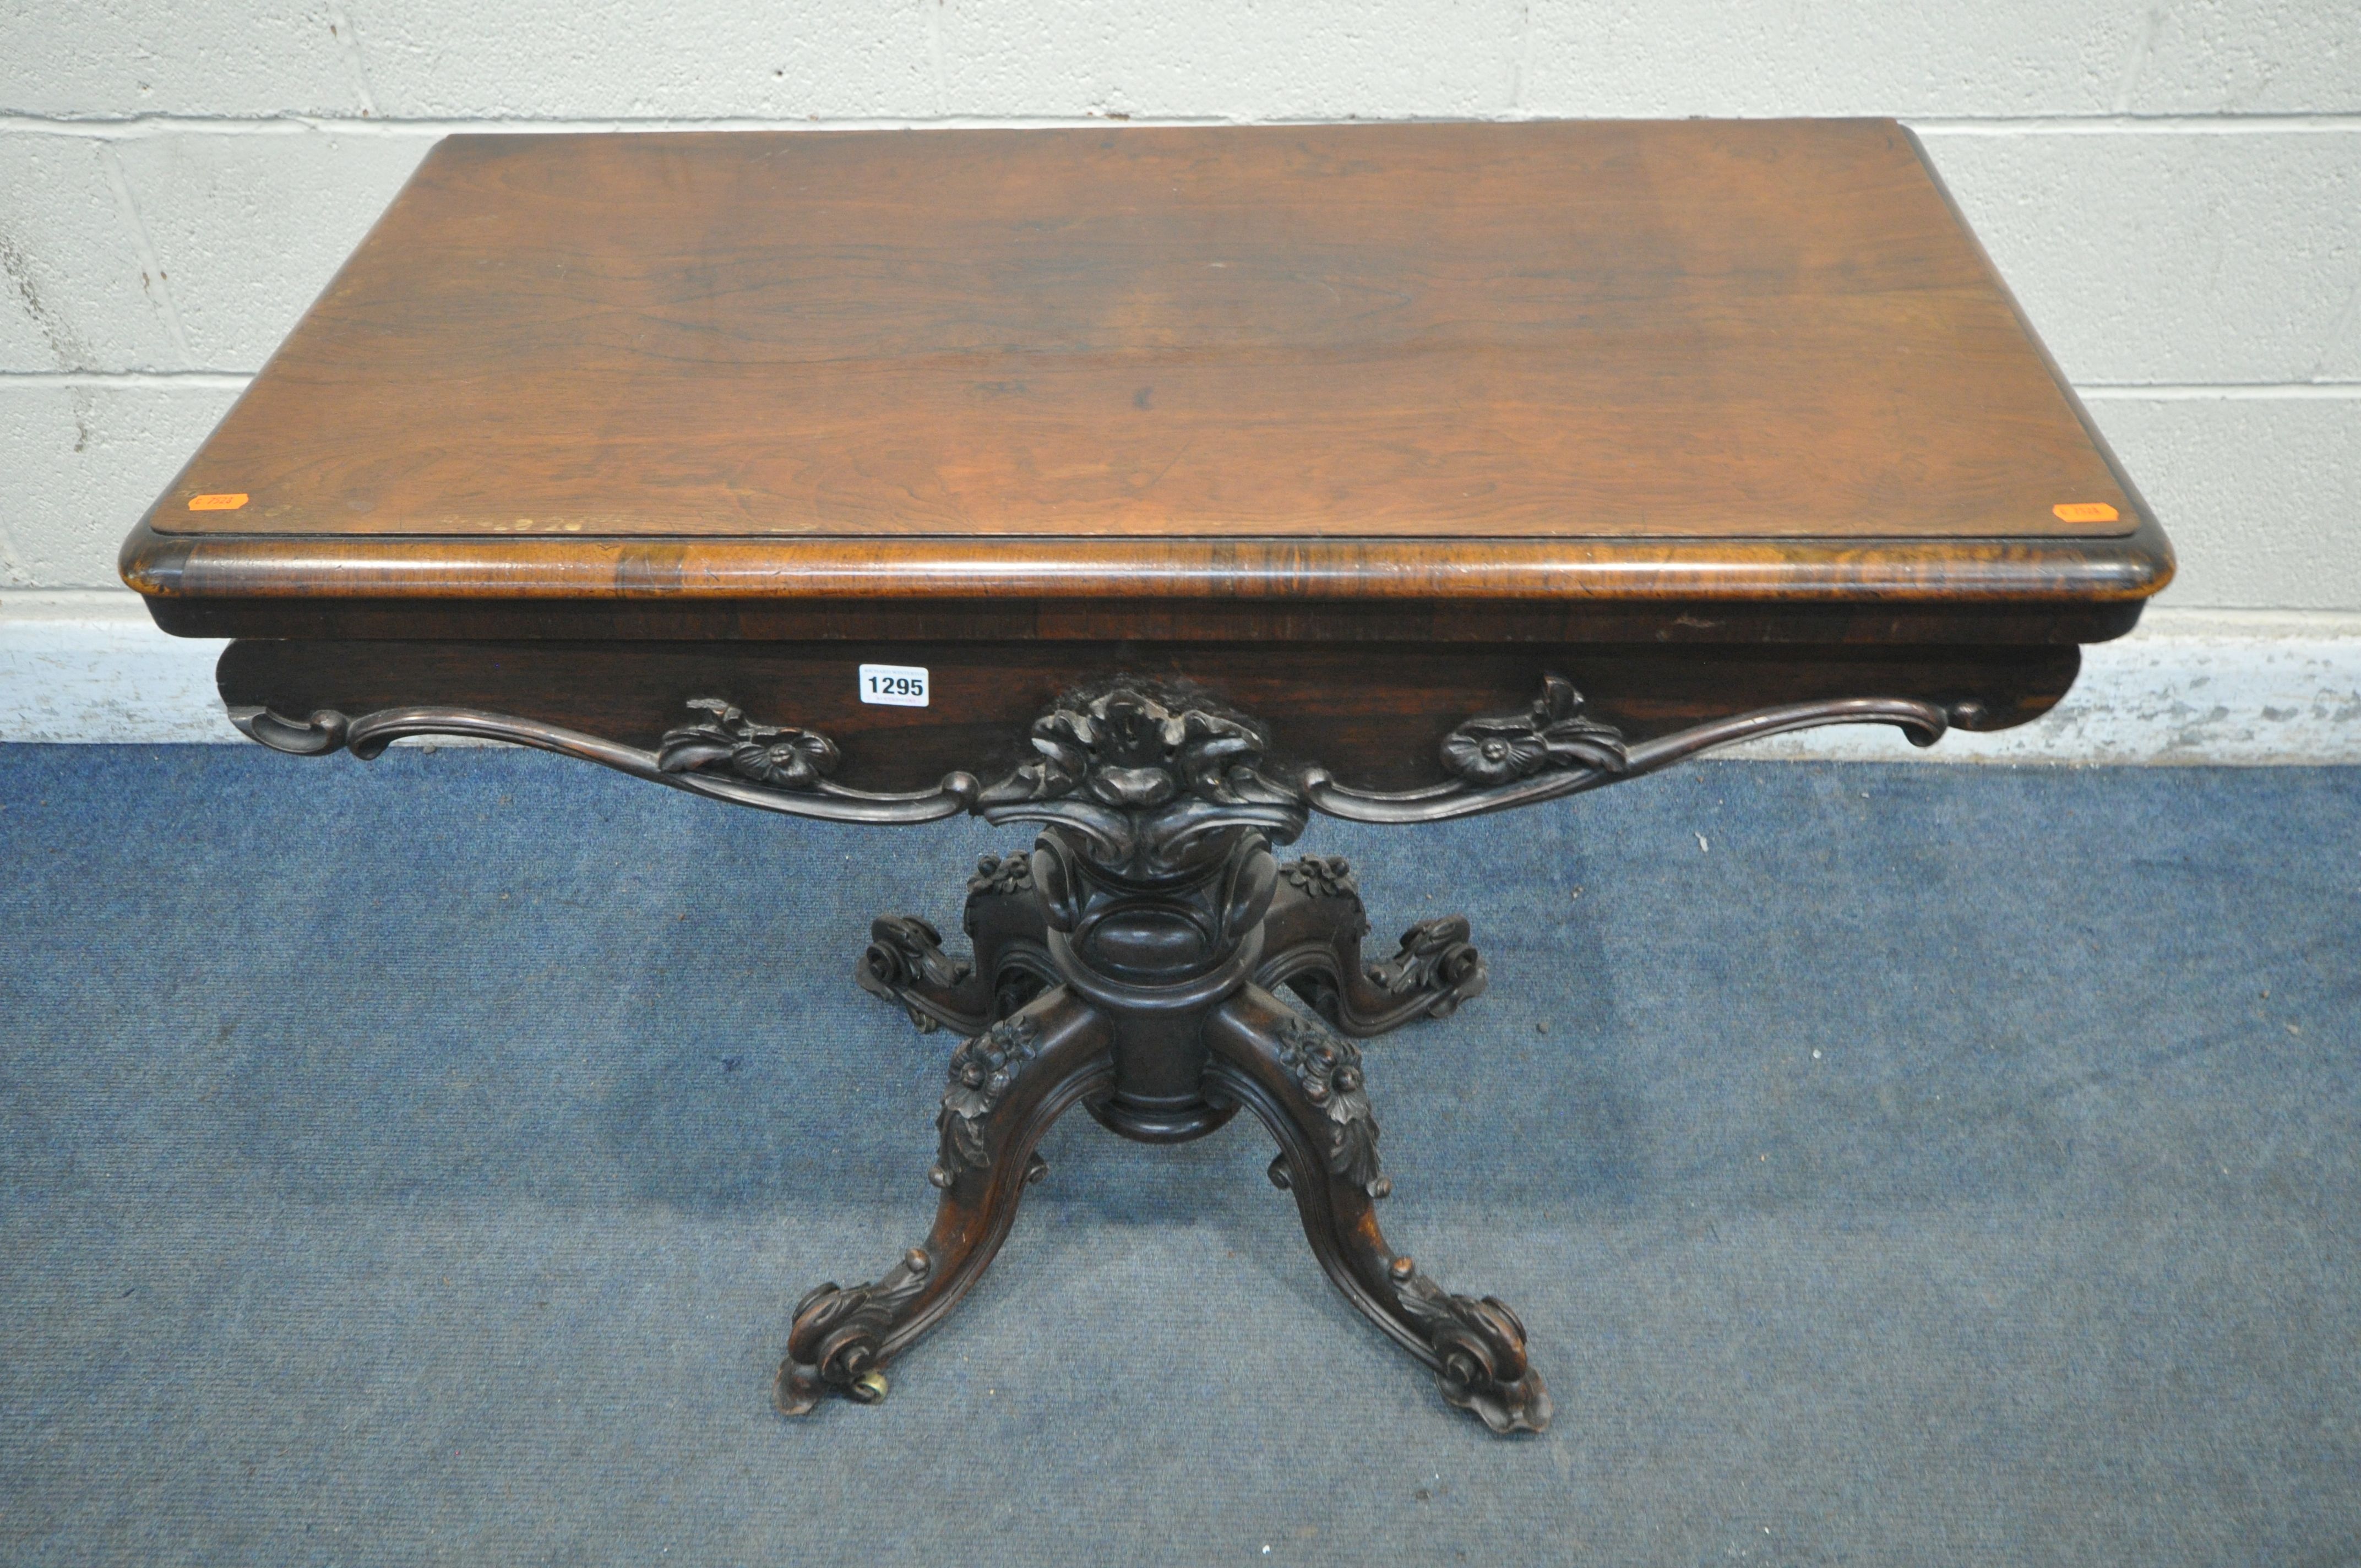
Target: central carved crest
1143	768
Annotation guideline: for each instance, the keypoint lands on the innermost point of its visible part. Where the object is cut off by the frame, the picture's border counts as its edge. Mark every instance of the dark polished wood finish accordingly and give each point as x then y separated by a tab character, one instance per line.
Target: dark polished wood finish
1373	713
1401	332
1866	621
1130	963
1425	365
1219	479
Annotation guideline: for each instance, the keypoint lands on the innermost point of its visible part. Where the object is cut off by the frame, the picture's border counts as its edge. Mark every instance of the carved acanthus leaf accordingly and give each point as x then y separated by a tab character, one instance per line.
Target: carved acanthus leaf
839	1335
1329	1069
982	1071
1480	1345
1143	768
905	956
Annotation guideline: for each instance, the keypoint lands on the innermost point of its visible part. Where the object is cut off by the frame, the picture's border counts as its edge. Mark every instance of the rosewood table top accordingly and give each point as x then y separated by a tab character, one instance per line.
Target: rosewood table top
1426	365
1156	490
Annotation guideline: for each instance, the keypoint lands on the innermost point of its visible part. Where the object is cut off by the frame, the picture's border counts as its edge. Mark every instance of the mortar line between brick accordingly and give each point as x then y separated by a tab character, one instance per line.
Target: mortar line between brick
2141	53
2332	339
1522	71
149	266
348	44
936	65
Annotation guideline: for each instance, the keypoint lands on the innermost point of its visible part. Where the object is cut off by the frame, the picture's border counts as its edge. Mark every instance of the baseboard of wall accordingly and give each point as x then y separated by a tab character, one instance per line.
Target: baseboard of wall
2224	687
91	667
2190	686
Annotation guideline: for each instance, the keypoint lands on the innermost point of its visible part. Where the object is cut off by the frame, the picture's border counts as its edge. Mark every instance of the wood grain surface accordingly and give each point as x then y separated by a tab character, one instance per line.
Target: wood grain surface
1467	590
1688	331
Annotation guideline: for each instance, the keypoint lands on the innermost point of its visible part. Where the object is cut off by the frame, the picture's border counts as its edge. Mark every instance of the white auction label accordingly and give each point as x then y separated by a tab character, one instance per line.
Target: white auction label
896	685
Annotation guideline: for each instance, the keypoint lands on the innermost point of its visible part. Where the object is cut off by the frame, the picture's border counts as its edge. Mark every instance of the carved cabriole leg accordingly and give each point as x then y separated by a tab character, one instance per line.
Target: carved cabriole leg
1008	1086
1305	1084
1313	946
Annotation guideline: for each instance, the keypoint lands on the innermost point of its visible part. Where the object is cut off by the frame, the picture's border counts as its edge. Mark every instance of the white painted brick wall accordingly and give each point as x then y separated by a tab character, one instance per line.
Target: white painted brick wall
84	460
216	209
1976	59
2190	256
2173	187
75	292
72	59
2262	494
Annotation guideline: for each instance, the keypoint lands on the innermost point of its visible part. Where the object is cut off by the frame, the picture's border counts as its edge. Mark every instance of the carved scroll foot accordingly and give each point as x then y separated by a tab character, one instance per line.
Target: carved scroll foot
1007	1085
905	962
1313	944
1306	1085
1434	971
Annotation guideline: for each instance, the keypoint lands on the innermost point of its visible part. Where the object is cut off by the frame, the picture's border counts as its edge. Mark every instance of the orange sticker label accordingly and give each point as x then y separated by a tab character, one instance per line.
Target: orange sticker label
231	503
2084	512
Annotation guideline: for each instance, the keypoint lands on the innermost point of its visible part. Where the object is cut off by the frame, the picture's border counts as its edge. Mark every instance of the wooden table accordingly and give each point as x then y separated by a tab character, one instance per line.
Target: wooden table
1158	488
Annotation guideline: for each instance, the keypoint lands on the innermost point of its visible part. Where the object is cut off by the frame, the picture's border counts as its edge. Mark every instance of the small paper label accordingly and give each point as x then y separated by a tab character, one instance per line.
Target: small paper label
896	685
2084	512
217	503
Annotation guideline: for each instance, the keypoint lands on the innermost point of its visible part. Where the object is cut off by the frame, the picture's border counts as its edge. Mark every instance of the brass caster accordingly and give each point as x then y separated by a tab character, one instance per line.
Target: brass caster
868	1388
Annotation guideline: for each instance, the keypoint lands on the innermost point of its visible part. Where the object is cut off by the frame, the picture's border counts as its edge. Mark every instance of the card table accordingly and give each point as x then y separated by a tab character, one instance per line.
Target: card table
1157	489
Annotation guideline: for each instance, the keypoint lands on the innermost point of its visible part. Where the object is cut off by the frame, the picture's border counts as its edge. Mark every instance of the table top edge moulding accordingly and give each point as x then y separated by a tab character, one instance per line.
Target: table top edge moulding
2100	568
1157	489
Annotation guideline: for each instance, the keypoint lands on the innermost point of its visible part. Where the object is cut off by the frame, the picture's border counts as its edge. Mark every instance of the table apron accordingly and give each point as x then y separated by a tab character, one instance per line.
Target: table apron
1373	715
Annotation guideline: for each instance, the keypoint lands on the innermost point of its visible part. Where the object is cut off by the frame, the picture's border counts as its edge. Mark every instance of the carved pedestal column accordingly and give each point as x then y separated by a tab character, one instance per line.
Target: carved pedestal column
1155	894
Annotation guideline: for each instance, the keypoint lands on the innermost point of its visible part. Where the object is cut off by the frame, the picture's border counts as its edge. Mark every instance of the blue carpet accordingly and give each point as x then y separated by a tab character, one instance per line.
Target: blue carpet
416	1163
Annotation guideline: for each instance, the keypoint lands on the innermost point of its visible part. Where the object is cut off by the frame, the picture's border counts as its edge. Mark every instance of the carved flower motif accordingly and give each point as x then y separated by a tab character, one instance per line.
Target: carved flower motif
796	761
1329	1071
1322	876
1145	774
729	741
1001	874
1553	733
980	1071
1128	749
975	1086
1345	1099
1490	750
